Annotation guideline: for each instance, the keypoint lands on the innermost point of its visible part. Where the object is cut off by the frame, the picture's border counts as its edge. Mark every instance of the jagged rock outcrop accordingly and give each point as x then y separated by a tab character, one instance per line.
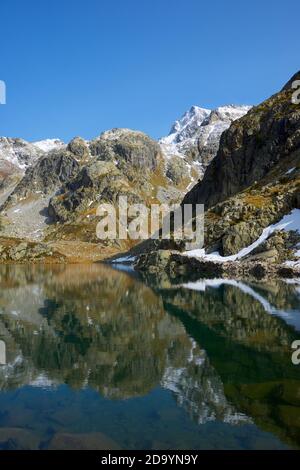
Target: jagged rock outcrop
121	163
18	251
96	182
178	171
79	148
16	156
128	147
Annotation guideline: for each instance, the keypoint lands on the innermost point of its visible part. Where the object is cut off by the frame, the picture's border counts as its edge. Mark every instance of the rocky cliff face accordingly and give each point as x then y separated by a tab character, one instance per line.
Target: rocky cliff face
128	147
16	156
47	175
250	148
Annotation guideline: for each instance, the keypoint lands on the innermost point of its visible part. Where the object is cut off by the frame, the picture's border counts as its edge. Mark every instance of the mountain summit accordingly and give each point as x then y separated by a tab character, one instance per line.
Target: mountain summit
196	135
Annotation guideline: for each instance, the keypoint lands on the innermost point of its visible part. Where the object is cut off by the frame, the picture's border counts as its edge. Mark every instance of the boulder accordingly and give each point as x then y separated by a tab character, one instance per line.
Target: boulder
239	236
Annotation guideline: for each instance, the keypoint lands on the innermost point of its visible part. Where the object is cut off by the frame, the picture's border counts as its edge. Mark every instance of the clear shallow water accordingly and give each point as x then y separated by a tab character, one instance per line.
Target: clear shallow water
95	358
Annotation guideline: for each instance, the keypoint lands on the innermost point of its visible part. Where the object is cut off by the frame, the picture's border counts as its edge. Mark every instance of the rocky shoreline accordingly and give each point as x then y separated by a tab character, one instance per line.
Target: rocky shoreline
16	251
175	264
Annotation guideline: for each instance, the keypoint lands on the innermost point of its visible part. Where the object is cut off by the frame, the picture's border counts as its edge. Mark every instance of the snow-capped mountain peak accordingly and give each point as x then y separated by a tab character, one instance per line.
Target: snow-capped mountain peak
193	117
49	144
197	133
227	113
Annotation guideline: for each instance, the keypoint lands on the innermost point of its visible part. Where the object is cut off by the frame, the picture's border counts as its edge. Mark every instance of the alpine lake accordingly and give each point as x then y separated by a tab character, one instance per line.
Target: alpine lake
94	357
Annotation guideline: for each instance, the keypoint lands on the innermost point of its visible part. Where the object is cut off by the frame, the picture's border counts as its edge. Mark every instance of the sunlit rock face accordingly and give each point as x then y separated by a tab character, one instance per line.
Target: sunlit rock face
51	191
16	156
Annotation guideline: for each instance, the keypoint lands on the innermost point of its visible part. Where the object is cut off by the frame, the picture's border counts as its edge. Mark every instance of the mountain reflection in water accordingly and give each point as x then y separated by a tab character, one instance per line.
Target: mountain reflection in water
91	357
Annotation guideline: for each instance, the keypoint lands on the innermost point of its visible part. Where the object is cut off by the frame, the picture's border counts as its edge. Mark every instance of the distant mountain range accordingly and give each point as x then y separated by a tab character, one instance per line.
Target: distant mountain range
50	190
195	136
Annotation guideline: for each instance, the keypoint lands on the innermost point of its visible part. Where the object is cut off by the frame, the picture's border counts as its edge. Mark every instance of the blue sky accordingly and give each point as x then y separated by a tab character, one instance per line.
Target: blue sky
75	67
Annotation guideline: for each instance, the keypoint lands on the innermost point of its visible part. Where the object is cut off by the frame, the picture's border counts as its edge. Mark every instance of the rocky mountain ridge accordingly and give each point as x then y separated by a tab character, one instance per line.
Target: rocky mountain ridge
56	197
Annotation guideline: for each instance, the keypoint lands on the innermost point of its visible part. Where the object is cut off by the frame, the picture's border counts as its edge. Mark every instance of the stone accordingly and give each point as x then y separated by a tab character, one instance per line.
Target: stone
271	255
238	236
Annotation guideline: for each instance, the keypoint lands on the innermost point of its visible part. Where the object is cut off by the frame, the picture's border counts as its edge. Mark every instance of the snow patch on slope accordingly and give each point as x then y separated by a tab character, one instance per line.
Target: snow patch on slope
22	154
48	144
18	152
288	222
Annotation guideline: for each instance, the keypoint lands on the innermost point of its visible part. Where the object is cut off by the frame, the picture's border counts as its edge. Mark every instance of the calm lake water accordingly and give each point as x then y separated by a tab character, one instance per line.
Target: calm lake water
92	357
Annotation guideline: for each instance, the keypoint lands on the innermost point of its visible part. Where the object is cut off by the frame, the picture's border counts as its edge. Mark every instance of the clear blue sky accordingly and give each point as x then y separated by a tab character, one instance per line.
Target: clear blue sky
78	67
